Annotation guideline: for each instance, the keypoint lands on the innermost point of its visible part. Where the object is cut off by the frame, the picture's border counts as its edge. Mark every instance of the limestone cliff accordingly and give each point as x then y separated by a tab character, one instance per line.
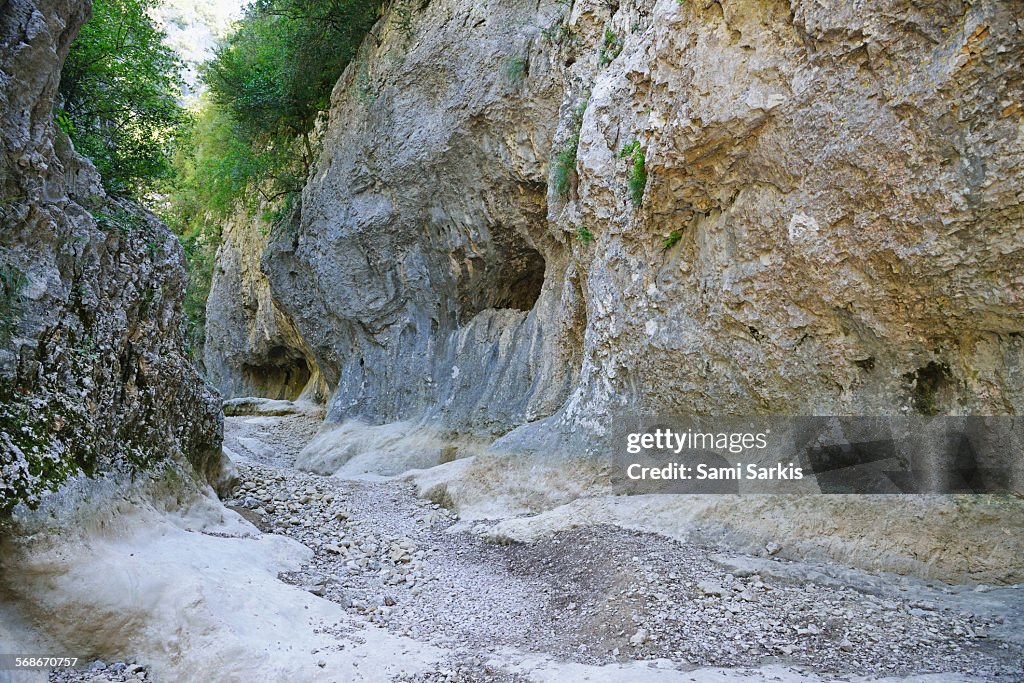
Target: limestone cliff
572	211
252	347
93	375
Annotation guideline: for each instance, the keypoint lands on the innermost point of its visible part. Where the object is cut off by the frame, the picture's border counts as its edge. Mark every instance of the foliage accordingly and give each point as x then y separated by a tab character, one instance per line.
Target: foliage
119	94
672	239
200	254
251	145
637	181
214	175
216	171
272	78
629	149
584	235
119	220
558	33
565	161
565	166
515	70
611	47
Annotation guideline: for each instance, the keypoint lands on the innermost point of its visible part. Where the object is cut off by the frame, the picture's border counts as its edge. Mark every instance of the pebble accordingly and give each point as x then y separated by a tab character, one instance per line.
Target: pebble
639	638
711	588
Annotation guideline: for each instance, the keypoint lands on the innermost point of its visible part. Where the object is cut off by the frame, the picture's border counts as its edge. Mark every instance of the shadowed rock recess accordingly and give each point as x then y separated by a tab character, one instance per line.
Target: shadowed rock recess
93	375
826	221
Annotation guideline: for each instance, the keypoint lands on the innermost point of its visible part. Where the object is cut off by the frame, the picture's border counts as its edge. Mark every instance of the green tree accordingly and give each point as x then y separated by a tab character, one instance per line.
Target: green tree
212	170
250	146
119	96
273	77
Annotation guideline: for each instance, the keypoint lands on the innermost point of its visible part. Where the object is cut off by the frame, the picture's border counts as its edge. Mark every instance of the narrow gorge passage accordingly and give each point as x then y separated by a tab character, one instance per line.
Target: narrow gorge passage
596	595
543	261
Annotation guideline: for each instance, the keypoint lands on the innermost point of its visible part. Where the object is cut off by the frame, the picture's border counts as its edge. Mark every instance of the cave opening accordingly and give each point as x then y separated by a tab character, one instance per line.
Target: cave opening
282	375
513	282
520	284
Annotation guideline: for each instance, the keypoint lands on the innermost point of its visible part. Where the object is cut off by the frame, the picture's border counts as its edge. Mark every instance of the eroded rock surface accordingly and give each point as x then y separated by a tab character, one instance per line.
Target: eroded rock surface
842	192
252	347
829	220
93	374
422	271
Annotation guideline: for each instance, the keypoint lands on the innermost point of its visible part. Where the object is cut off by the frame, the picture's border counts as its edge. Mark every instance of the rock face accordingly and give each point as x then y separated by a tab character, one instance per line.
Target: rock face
423	271
93	374
821	214
845	189
252	348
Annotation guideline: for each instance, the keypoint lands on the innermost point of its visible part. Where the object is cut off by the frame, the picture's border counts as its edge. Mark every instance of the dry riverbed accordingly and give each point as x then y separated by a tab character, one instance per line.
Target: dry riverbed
593	602
593	594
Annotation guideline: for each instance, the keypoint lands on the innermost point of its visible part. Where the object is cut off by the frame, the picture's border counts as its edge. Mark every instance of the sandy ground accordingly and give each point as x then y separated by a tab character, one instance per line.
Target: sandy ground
312	578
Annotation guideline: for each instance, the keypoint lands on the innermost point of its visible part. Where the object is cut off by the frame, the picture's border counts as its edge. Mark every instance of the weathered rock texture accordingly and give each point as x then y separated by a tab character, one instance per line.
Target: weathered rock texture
424	272
92	370
831	218
847	188
252	348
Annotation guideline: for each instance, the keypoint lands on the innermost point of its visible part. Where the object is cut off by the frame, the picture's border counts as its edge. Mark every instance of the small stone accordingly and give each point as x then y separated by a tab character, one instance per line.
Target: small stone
772	548
639	638
845	645
322	663
712	588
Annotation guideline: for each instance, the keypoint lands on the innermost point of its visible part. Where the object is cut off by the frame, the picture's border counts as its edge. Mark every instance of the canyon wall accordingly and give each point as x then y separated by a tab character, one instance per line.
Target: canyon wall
529	219
252	347
93	375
